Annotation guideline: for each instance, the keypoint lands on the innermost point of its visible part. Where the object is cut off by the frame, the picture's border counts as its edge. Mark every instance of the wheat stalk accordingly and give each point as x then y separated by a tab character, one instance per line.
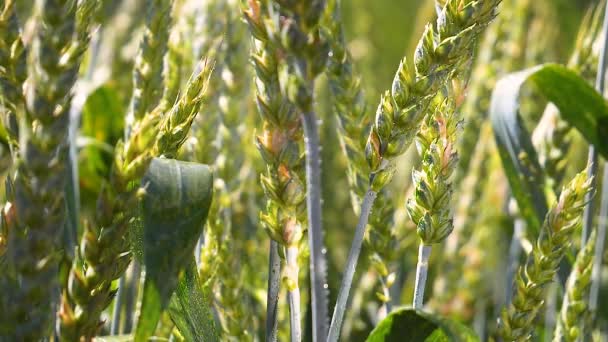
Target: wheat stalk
13	71
34	243
430	208
280	144
105	250
225	237
354	123
306	55
441	52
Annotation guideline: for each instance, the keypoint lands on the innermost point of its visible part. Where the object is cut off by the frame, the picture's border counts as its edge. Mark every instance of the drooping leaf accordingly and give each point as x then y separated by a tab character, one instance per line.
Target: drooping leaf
579	104
411	325
189	309
175	206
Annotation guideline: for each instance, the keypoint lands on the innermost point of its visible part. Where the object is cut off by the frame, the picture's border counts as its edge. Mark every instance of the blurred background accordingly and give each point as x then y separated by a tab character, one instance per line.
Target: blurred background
379	34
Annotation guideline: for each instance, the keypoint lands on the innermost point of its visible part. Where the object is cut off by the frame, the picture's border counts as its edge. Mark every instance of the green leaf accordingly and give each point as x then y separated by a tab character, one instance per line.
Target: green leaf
407	324
189	308
175	206
103	115
102	126
579	104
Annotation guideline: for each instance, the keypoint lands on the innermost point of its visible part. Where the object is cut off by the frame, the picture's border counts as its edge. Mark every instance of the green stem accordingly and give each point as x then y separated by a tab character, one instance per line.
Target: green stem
424	251
386	291
318	267
120	294
132	289
274	276
599	247
291	257
351	265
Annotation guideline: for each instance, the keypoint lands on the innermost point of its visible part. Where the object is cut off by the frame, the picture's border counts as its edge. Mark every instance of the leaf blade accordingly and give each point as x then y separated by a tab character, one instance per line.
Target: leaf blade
579	104
407	324
174	208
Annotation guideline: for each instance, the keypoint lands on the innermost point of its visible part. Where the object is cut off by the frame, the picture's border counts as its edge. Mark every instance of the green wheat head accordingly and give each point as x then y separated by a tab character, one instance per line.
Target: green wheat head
562	221
440	54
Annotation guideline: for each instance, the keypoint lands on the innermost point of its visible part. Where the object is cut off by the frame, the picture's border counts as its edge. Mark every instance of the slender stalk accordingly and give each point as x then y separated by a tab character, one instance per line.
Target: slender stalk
351	265
132	289
306	51
354	122
318	268
293	294
402	110
272	299
279	145
593	157
31	278
120	295
422	268
386	291
599	247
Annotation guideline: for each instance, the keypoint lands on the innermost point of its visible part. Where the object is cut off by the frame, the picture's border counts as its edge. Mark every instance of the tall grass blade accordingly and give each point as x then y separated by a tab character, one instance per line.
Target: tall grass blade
272	299
351	264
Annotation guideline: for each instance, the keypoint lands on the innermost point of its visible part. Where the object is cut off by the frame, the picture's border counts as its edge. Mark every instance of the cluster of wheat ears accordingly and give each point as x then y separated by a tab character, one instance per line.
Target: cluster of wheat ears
164	177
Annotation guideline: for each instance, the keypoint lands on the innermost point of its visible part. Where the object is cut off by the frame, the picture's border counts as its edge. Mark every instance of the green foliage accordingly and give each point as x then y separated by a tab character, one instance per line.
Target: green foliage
102	126
175	206
166	86
190	310
579	104
39	183
430	208
407	324
572	318
554	239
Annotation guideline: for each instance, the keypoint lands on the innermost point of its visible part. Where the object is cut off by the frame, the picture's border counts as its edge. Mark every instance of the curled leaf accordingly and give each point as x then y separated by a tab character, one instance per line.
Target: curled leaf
579	104
176	200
